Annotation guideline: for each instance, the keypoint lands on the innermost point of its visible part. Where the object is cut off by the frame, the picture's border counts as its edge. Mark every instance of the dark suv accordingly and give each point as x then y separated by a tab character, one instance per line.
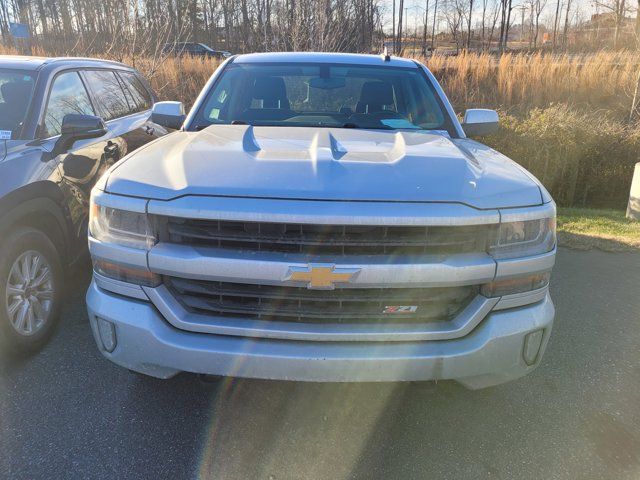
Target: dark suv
194	50
63	122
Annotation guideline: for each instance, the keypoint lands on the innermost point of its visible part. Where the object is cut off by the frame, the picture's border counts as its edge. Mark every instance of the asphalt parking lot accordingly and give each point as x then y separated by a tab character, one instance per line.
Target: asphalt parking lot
68	413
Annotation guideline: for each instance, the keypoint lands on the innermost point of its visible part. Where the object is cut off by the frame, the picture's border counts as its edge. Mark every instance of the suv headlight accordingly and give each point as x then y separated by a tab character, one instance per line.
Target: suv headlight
525	238
122	227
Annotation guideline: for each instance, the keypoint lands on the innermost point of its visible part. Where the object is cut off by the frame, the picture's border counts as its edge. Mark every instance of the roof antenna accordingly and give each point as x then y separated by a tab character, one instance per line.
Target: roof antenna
385	55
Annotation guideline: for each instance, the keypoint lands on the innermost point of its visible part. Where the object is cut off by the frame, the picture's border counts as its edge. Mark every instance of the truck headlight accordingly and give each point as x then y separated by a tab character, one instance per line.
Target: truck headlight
525	238
122	227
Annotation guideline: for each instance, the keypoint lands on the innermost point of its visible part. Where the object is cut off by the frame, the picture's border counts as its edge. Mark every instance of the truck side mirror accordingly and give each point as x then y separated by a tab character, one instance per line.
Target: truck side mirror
78	127
480	121
168	114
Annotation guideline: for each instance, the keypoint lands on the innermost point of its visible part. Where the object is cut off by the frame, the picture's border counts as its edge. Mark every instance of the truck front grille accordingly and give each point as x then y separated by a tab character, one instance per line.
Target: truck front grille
329	239
299	304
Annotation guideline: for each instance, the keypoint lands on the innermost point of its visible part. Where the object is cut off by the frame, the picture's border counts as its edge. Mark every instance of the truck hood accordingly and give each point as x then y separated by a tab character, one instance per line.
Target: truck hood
324	164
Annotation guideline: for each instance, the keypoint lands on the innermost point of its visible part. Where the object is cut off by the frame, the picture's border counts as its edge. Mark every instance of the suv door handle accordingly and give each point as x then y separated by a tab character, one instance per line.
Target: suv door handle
112	149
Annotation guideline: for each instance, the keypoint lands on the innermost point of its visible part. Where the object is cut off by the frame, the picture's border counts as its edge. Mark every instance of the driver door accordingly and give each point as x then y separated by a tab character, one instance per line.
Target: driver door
83	163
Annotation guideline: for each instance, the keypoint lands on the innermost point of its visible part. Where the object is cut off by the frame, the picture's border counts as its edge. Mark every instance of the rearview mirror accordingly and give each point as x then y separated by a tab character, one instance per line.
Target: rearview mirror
480	121
330	83
168	114
78	127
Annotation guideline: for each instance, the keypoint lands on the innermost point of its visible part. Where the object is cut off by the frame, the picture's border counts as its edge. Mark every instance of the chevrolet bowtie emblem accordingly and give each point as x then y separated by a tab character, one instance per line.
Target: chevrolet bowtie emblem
321	276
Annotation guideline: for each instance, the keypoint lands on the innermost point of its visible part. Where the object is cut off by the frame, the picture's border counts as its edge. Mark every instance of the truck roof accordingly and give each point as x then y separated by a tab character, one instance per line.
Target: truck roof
17	62
321	57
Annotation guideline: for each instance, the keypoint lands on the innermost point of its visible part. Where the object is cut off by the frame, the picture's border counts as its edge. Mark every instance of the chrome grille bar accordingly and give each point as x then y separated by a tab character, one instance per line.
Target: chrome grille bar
329	239
299	304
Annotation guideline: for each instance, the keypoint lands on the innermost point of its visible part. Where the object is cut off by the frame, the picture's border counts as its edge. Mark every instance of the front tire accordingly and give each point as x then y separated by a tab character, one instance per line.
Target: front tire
30	291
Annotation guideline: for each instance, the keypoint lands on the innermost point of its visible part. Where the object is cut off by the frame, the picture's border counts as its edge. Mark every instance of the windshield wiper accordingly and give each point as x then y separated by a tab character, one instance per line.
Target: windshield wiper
355	125
197	128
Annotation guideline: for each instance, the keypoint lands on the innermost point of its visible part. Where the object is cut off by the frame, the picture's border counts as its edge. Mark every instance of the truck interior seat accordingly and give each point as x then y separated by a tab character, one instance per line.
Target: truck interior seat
374	96
272	91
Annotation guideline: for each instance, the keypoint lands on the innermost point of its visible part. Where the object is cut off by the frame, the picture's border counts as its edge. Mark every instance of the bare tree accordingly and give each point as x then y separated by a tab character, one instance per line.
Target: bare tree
505	18
454	14
619	10
469	24
433	29
490	13
119	27
4	21
638	23
536	11
426	27
556	24
401	9
483	22
508	23
565	31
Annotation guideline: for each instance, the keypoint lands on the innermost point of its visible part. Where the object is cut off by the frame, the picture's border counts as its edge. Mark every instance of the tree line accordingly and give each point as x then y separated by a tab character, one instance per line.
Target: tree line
127	27
496	25
142	26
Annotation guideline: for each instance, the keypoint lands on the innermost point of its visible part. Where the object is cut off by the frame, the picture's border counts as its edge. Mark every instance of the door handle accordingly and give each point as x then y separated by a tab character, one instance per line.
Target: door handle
112	149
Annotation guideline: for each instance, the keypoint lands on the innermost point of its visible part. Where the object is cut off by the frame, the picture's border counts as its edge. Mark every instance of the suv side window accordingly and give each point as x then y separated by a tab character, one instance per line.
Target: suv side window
68	95
110	97
140	98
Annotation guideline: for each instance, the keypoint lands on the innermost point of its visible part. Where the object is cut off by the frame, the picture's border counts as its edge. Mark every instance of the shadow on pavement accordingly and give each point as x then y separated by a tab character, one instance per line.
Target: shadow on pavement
69	413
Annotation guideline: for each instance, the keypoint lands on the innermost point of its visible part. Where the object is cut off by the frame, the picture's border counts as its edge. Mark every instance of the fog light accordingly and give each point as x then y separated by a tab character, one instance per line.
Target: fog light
532	344
107	332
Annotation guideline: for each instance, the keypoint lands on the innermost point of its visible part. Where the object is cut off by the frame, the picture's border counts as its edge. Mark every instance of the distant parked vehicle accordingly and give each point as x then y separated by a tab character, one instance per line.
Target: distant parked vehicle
63	122
194	50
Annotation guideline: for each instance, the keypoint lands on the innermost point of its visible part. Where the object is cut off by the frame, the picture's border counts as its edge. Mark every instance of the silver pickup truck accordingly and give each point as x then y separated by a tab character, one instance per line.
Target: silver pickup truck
322	217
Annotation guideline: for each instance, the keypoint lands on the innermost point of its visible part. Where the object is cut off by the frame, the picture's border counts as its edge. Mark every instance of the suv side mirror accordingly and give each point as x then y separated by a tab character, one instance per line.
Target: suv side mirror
480	121
168	114
78	127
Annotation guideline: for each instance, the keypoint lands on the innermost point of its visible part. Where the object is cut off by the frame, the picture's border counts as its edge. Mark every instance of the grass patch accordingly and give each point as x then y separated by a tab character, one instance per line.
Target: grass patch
586	228
584	159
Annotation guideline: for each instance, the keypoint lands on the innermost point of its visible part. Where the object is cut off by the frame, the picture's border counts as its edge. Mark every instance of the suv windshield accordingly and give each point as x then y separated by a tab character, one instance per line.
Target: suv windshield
324	96
16	88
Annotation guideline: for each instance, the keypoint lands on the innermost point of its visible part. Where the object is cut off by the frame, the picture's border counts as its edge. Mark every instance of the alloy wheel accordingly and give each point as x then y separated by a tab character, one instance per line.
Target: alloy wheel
29	293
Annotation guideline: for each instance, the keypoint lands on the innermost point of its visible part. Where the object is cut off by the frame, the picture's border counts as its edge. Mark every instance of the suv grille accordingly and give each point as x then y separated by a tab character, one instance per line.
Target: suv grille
329	239
299	304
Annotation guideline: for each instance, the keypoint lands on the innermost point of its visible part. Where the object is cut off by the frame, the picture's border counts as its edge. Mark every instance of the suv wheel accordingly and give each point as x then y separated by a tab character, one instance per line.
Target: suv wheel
30	290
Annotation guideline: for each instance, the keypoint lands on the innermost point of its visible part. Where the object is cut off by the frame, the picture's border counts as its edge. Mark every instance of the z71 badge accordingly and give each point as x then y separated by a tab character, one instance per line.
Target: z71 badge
400	309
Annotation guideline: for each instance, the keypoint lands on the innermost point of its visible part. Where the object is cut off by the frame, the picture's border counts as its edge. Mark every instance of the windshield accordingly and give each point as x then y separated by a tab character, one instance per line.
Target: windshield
16	88
324	96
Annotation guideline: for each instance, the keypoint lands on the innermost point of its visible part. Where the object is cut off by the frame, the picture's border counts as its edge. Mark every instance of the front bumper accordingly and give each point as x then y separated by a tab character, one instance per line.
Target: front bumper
493	353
